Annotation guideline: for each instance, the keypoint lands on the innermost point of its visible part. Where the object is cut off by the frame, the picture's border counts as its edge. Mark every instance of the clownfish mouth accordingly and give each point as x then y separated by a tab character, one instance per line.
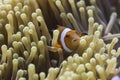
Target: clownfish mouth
62	37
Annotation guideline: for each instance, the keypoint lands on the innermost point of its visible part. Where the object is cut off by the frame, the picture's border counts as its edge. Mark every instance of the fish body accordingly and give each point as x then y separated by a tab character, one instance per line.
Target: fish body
68	39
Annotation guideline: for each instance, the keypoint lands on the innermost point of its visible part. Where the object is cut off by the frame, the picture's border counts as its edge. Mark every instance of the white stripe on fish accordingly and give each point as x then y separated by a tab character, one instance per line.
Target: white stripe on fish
62	37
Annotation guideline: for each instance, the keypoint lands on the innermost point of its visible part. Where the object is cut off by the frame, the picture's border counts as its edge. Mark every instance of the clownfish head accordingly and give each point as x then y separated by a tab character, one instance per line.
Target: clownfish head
69	39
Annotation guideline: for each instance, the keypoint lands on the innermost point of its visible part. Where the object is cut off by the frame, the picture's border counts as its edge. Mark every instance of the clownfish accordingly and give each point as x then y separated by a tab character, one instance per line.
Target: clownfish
68	39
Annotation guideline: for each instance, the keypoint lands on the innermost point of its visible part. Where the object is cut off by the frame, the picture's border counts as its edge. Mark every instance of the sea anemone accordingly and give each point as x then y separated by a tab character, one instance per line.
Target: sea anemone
25	39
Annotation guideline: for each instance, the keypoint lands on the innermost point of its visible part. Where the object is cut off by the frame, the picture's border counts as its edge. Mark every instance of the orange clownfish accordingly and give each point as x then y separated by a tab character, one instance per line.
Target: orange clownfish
68	39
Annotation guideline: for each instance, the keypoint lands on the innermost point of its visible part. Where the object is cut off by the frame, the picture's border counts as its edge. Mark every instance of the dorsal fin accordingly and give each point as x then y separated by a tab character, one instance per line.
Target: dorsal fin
82	34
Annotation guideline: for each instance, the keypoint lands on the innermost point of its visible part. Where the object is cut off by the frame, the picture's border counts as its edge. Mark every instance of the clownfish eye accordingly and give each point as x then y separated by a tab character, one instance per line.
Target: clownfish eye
66	36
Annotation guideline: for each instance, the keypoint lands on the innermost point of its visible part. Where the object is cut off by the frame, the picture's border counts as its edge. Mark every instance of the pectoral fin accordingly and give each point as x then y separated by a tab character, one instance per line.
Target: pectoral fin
58	46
